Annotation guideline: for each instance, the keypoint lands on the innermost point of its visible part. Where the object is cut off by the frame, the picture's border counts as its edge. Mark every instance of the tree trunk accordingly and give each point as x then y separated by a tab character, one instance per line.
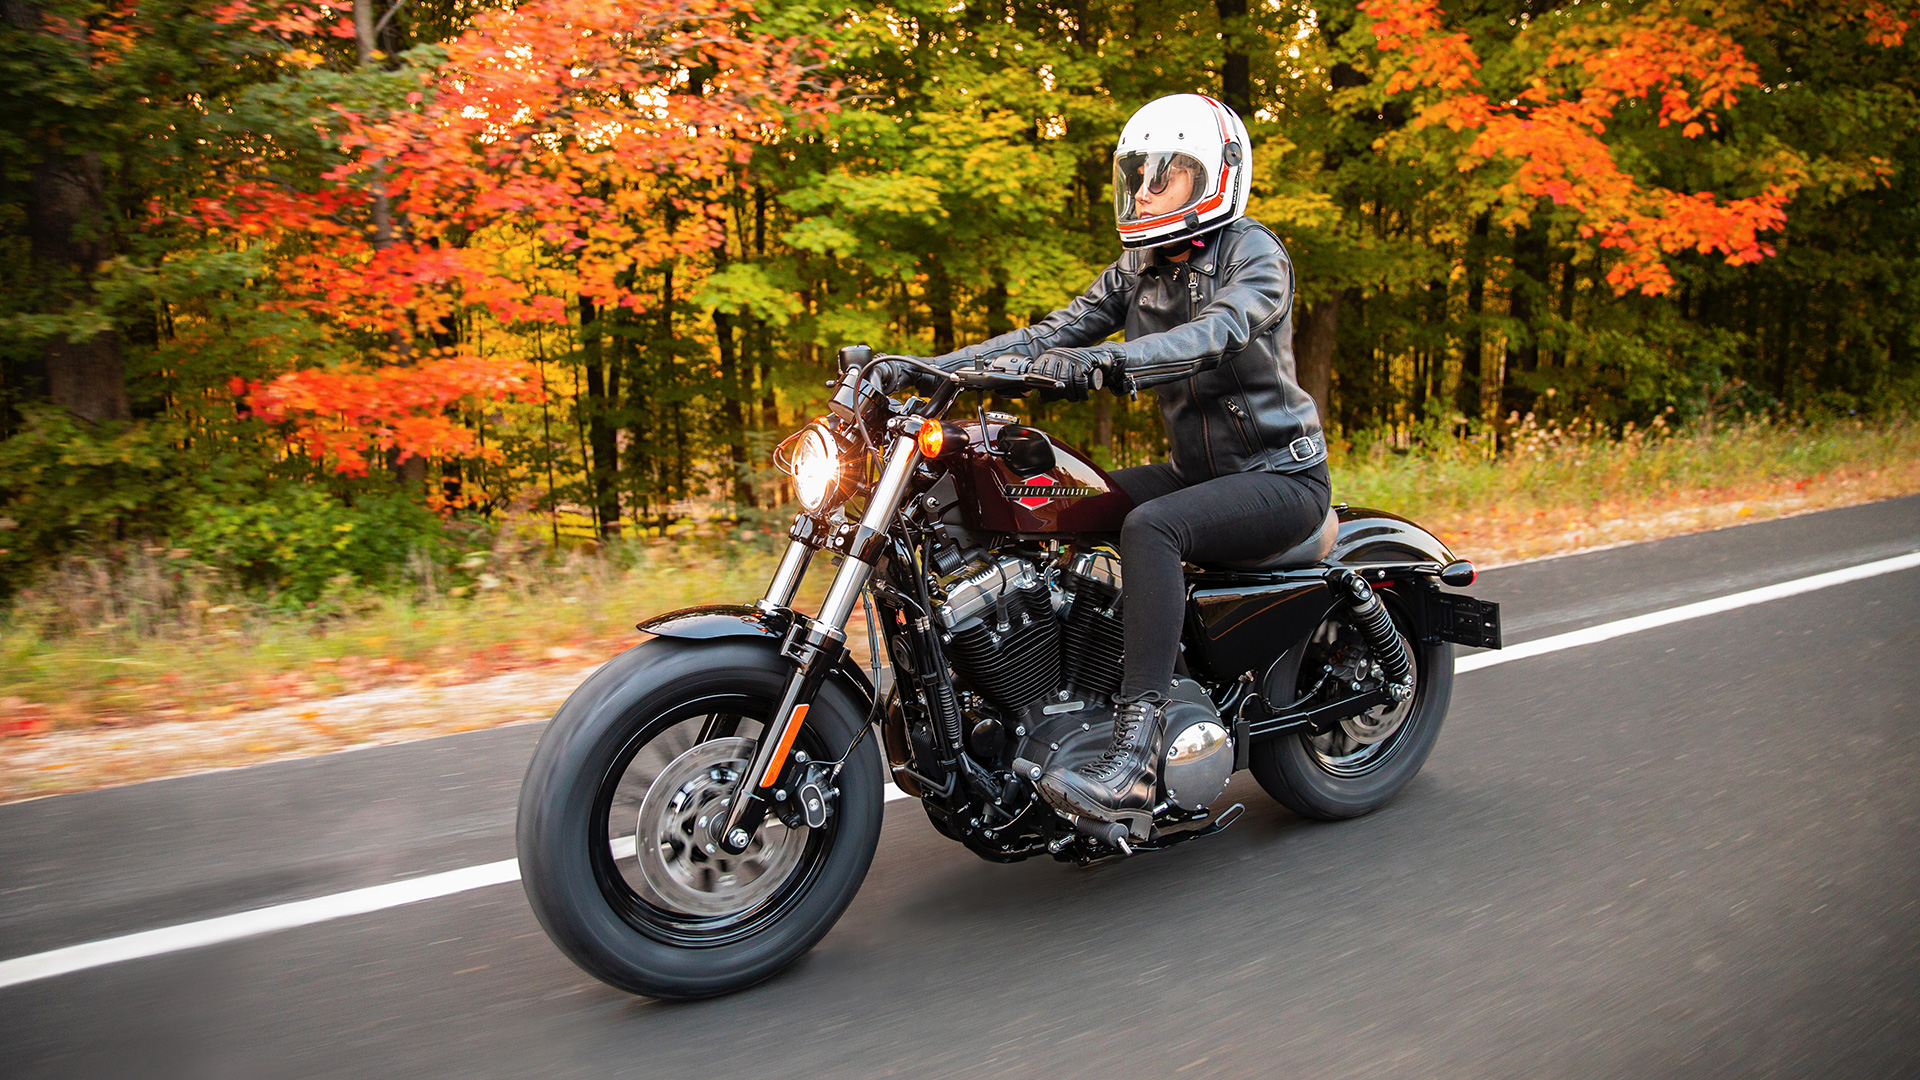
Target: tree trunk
1314	336
363	23
601	438
997	321
1467	397
411	470
732	389
69	236
1525	293
940	305
759	339
635	411
1236	82
677	487
1567	287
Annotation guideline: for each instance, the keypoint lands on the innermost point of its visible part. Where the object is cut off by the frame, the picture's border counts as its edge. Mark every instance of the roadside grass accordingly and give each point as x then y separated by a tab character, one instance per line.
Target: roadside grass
1554	489
144	636
100	643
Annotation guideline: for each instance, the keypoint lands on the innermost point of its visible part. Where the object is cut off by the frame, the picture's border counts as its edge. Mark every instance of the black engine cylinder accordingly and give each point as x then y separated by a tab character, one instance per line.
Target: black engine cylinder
1011	654
1094	639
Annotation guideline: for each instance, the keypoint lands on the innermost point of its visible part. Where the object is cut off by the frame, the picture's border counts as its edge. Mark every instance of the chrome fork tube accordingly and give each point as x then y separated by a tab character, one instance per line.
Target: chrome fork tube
815	647
887	494
786	578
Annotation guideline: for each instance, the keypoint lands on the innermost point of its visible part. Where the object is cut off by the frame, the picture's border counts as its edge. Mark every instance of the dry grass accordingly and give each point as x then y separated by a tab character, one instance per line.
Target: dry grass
113	643
110	673
1556	489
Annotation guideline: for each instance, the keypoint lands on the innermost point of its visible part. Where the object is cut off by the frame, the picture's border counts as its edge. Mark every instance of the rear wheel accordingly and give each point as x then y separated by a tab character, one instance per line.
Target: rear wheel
1364	761
615	850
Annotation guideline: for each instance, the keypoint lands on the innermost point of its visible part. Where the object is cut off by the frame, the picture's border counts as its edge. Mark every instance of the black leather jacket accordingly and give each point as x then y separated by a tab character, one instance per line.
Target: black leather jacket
1213	336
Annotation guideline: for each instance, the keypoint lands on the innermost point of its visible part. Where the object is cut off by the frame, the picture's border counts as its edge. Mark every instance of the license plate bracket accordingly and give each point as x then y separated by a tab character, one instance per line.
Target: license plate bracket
1463	620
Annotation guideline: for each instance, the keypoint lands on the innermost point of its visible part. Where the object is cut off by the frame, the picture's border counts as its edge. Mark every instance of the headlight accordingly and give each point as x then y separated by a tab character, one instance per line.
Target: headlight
816	468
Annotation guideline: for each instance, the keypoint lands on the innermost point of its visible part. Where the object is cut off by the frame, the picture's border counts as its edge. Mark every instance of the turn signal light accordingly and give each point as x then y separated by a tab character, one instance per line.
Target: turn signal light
938	437
1458	574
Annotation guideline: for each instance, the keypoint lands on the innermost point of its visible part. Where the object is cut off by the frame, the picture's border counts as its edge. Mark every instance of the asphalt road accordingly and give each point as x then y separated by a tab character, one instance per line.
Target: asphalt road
1693	851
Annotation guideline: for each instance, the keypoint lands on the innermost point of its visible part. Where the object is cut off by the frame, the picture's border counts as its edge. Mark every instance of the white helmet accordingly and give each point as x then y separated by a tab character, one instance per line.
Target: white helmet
1183	168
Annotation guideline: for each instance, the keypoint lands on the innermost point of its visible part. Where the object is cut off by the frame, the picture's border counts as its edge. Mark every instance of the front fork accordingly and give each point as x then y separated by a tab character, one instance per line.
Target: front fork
816	646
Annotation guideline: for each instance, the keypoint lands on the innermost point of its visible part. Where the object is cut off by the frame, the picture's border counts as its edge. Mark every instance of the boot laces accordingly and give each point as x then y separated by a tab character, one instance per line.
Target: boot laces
1128	723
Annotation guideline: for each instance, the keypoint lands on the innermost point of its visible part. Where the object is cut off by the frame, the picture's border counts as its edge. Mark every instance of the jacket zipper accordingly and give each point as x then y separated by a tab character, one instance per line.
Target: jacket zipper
1193	387
1240	414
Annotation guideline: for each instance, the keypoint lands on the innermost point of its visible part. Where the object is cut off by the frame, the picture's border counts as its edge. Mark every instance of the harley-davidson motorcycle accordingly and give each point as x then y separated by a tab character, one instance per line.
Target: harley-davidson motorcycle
703	808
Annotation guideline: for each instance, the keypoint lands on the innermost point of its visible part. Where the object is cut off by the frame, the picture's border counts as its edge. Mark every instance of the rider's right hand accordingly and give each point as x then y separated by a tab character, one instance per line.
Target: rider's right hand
893	376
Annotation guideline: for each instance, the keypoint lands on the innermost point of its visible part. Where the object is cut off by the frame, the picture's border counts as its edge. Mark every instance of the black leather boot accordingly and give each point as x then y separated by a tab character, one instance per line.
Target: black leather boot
1119	784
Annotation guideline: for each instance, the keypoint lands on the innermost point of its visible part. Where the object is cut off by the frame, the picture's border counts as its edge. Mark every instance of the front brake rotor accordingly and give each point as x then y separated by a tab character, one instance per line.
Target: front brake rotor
682	862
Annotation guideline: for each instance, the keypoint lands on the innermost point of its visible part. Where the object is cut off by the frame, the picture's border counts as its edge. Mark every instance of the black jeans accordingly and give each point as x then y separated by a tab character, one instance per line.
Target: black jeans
1226	519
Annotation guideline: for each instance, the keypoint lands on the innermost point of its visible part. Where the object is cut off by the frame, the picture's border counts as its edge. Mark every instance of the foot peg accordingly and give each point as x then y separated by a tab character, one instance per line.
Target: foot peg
1111	833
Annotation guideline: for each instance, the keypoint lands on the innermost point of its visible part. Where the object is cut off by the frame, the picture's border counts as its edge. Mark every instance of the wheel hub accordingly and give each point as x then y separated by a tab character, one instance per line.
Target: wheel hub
678	846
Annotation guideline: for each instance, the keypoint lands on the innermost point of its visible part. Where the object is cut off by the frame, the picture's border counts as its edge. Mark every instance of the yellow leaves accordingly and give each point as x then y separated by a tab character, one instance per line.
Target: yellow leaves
1306	208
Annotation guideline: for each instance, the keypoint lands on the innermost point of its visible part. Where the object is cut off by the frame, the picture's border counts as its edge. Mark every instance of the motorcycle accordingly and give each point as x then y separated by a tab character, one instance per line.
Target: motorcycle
704	806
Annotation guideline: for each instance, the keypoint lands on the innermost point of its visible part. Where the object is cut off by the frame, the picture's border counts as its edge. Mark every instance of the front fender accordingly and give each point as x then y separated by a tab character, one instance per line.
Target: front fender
713	621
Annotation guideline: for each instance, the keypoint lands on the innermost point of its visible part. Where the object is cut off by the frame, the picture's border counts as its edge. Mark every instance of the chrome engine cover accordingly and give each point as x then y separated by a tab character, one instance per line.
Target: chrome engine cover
1198	760
975	588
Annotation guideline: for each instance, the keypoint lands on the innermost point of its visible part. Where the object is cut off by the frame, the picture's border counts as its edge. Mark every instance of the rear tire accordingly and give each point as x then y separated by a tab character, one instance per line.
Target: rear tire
1298	771
649	706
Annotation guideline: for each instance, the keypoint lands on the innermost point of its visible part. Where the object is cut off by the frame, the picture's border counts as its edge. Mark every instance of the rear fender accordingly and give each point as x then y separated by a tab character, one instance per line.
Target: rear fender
718	621
1375	538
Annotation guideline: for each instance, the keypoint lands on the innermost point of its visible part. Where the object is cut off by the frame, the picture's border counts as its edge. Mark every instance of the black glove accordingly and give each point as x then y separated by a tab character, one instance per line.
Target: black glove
894	376
1082	370
1052	375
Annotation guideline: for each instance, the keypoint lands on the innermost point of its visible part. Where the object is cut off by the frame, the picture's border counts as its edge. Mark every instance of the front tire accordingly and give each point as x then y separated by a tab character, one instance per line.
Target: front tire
651	738
1354	769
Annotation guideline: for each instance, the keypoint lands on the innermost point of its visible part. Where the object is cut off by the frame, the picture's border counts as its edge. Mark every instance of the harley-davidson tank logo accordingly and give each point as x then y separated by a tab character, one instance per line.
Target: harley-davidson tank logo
1036	495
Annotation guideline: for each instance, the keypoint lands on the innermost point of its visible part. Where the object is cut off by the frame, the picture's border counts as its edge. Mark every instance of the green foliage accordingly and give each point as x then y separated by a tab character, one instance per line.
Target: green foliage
295	543
63	484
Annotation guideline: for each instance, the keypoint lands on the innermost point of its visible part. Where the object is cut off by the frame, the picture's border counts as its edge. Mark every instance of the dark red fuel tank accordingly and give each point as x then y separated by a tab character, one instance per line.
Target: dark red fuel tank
1072	496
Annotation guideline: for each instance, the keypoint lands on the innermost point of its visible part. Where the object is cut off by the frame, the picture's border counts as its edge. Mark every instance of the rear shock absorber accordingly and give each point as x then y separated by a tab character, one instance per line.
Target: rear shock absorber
1370	615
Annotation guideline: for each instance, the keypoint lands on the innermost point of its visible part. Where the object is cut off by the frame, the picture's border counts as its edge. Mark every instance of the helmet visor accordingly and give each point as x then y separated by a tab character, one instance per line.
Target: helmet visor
1148	184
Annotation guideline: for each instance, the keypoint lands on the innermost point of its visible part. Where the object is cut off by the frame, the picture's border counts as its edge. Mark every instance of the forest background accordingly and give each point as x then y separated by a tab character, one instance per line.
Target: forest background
303	299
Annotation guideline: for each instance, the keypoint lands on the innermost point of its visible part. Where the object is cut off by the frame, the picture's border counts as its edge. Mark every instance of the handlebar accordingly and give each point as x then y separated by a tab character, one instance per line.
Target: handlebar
863	384
982	377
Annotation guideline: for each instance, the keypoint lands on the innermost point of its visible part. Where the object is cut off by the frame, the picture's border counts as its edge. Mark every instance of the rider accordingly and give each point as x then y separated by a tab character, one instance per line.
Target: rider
1205	297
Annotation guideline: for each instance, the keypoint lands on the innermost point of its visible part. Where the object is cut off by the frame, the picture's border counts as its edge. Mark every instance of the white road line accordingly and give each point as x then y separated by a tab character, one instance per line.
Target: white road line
432	886
1622	627
251	923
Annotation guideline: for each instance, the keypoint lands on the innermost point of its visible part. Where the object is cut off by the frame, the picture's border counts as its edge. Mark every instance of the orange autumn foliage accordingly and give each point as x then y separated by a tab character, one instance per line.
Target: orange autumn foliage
562	148
1549	137
340	415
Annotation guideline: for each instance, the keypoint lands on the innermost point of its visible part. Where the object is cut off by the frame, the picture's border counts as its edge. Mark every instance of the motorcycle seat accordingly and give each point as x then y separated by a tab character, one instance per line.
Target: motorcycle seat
1306	553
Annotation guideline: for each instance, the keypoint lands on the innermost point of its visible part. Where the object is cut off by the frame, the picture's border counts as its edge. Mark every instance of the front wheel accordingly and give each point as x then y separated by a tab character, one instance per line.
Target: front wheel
614	849
1364	761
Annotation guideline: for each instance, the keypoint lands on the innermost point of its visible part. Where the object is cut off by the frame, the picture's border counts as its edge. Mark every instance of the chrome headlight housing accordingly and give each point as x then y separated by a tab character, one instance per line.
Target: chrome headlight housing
813	458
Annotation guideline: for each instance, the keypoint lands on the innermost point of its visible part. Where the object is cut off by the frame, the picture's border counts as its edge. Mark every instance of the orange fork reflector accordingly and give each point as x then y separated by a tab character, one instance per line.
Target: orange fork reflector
786	746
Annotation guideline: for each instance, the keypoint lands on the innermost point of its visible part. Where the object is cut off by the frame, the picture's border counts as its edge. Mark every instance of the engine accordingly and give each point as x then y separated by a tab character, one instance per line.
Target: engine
1002	634
1037	647
1023	636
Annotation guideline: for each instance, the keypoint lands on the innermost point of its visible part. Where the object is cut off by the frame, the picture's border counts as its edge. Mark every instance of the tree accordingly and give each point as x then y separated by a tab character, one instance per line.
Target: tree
543	155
